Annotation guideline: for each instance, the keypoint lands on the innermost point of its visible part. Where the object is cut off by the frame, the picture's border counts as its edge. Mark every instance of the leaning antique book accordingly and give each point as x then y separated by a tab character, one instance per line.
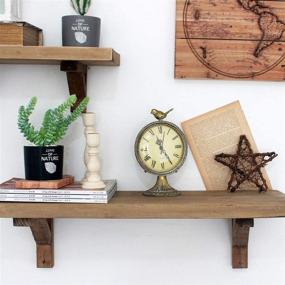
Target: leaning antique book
213	133
68	194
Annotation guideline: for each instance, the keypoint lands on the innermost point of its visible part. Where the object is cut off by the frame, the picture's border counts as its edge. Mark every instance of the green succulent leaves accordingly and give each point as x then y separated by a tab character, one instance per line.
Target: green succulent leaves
55	122
81	6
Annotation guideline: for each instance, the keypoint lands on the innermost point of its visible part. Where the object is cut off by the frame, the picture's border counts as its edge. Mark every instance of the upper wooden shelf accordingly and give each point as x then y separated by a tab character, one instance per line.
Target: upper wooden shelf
56	55
133	205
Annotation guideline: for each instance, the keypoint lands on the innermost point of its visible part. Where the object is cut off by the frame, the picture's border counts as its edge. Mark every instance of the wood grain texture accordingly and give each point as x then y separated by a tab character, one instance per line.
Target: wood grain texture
48	184
55	55
32	37
42	230
240	238
76	74
230	39
224	23
133	205
20	33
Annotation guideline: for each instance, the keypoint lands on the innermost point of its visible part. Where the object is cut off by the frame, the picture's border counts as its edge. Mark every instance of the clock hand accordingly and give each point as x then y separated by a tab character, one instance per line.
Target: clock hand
159	142
165	153
162	142
167	156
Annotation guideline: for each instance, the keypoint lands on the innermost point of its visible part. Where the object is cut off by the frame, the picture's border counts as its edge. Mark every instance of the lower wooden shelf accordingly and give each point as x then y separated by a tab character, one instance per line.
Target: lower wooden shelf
241	207
133	205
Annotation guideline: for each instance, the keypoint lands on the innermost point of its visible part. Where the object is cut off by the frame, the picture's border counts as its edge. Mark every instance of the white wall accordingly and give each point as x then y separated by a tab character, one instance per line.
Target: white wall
143	252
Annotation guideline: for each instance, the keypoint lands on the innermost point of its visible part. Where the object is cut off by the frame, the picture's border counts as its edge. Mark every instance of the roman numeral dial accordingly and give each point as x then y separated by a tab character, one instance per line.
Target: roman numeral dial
160	147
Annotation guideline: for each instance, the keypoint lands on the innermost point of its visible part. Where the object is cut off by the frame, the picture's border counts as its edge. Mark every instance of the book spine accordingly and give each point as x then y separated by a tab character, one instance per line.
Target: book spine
63	200
54	192
51	196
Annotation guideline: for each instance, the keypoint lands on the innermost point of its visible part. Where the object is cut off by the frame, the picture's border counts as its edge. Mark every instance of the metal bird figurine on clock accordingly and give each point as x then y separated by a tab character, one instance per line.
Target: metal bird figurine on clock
161	149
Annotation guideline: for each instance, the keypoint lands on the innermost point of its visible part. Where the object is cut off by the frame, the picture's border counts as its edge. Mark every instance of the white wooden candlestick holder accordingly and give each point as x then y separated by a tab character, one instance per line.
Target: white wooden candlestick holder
89	124
10	10
93	180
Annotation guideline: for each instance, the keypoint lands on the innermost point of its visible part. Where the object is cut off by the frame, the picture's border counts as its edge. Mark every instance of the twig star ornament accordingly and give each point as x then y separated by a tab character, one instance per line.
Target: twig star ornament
246	165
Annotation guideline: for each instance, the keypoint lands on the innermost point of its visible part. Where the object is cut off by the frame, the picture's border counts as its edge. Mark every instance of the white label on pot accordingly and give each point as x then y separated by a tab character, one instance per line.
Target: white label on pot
50	155
80	28
80	37
50	167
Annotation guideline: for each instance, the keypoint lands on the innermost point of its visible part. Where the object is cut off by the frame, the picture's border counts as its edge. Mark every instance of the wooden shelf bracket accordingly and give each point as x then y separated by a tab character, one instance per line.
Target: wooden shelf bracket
42	230
76	73
240	237
133	205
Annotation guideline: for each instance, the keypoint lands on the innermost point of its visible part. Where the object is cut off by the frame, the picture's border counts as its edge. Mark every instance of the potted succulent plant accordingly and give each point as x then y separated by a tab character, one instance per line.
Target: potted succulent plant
81	30
44	160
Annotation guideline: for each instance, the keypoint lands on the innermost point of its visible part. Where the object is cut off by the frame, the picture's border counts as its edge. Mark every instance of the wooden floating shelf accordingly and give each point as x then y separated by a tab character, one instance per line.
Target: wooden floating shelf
133	205
241	207
56	55
72	60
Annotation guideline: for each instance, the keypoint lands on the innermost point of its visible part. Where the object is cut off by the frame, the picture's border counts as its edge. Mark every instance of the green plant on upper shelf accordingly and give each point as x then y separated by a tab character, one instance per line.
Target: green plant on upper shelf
81	6
55	122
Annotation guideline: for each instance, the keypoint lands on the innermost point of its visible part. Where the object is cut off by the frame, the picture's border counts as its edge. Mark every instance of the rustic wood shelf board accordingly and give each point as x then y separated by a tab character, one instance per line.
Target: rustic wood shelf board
242	207
56	55
240	238
231	39
133	205
72	60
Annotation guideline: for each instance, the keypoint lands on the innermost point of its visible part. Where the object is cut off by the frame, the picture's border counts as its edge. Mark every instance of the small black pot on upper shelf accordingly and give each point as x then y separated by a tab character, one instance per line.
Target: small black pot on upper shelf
43	163
81	31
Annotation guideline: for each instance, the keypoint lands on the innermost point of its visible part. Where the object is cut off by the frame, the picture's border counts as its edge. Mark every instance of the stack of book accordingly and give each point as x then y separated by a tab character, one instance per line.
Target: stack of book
71	193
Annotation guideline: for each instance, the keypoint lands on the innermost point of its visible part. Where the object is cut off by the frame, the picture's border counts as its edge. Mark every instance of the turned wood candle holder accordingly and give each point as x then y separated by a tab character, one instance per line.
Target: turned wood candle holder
93	179
89	124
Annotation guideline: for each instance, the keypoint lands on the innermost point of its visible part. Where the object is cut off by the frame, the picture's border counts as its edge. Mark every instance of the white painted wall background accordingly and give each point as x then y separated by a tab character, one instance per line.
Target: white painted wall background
142	252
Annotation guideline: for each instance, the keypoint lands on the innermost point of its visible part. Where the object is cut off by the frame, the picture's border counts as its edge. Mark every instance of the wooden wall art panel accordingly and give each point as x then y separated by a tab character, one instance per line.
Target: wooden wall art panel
230	39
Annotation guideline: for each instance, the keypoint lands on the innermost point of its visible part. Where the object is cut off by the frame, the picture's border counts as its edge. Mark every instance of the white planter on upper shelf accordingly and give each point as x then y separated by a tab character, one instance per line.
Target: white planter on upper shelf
10	10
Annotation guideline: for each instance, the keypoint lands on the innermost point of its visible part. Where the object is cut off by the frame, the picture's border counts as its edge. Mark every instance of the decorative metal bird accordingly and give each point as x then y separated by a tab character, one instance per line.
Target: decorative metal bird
159	115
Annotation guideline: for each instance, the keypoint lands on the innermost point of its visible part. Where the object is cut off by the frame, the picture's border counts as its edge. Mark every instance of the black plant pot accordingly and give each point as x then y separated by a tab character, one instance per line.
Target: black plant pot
81	31
43	163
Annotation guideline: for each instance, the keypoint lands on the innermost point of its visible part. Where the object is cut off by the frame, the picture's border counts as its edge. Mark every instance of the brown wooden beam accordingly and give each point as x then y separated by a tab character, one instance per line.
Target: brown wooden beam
240	237
76	73
42	230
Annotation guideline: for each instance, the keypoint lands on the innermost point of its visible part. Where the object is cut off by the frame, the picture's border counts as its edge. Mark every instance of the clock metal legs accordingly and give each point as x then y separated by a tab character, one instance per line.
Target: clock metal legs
162	189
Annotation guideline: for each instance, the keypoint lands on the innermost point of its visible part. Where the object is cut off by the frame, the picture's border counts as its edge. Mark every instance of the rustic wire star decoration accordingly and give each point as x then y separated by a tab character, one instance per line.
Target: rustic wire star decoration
246	165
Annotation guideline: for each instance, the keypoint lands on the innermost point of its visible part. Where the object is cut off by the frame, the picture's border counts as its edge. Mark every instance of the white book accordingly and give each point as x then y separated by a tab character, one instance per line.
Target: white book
69	194
63	199
74	189
48	196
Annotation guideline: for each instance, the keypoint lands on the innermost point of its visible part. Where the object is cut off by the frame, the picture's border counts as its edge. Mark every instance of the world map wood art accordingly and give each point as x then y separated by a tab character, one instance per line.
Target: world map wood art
230	39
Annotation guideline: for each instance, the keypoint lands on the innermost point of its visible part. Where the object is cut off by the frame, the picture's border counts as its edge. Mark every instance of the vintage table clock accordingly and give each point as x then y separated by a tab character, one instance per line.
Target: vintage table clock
161	149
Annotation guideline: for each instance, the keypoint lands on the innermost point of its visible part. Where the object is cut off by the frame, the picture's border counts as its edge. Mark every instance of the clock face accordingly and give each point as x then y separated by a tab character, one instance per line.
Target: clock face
160	148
